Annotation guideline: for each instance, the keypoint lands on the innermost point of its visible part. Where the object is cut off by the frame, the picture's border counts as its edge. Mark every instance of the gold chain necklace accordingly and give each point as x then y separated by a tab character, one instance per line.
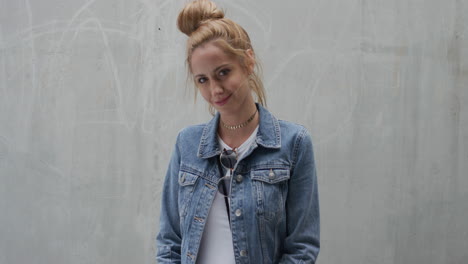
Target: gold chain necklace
234	127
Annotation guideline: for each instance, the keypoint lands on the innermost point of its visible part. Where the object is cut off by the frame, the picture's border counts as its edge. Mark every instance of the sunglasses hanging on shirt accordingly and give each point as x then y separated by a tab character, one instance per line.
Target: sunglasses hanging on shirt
228	160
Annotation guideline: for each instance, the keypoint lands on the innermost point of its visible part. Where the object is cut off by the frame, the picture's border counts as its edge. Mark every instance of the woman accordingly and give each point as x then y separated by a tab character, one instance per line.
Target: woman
241	188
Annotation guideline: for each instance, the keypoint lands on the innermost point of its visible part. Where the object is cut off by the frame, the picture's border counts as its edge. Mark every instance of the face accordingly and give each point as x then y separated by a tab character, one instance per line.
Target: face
221	79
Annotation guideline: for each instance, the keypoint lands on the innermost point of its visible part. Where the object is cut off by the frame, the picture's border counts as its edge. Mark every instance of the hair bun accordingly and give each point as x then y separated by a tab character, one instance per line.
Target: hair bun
195	13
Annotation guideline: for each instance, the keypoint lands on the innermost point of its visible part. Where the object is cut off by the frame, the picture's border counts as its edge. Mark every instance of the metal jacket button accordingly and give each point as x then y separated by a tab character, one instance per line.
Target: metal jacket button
239	178
238	212
243	253
271	175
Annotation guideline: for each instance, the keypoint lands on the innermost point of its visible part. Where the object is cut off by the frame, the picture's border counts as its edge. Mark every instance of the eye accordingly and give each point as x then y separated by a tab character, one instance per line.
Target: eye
223	72
201	80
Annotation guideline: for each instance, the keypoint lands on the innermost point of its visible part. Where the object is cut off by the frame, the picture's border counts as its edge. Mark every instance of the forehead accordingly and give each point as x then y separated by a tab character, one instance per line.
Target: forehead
207	57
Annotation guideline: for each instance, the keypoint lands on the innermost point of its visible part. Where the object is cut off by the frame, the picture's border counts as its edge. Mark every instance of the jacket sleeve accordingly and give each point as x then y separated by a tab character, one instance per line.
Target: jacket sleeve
169	237
302	243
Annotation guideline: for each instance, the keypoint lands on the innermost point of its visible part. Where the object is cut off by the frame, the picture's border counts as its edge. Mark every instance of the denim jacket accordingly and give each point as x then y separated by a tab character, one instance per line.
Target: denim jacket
274	207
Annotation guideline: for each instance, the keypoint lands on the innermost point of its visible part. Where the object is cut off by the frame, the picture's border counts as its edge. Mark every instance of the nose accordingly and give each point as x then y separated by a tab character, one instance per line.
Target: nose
216	87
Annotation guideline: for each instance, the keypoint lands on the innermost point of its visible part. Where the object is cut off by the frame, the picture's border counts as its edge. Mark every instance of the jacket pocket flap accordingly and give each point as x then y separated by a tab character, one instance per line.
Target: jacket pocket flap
270	176
187	178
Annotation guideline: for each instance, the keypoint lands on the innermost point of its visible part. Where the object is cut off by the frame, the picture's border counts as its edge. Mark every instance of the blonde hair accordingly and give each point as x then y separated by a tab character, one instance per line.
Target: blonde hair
203	22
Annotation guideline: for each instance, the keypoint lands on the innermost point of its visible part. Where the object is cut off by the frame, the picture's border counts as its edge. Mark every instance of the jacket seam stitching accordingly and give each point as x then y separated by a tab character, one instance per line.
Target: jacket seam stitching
295	154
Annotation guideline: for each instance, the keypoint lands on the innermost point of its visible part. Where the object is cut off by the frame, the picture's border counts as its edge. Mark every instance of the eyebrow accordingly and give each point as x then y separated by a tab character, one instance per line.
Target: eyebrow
216	69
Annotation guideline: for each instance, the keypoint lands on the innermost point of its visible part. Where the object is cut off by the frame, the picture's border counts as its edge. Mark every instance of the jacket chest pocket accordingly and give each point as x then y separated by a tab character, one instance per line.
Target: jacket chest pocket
269	188
187	182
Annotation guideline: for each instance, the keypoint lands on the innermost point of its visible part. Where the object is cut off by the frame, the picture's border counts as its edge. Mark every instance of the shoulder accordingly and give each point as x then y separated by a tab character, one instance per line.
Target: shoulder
293	131
190	134
297	139
190	130
291	126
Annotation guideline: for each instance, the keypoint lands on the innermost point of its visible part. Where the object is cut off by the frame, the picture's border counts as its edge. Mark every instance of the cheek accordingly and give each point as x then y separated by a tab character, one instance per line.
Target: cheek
239	83
233	83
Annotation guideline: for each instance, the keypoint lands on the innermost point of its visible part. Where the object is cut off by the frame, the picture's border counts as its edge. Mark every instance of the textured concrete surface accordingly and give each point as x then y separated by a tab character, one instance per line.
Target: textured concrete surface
93	93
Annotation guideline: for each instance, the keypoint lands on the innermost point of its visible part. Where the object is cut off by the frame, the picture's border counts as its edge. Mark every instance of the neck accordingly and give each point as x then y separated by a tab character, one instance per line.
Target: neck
235	137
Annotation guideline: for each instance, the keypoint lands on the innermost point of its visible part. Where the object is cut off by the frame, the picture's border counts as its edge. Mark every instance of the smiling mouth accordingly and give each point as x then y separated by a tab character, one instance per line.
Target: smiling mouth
223	101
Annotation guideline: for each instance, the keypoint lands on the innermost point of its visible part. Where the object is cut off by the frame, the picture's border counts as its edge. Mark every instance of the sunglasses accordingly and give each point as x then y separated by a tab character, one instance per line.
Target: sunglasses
228	160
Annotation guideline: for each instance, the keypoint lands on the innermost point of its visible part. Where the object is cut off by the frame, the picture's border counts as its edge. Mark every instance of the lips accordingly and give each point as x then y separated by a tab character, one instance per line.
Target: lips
223	101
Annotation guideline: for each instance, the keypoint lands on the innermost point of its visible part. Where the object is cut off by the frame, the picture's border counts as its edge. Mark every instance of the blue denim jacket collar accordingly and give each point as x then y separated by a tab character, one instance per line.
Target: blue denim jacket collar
268	134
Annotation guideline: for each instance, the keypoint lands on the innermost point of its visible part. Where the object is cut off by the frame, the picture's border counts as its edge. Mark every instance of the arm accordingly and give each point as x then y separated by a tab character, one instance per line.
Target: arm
169	238
302	206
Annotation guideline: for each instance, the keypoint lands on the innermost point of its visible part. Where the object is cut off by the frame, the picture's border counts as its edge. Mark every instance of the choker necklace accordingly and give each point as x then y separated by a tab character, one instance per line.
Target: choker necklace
234	127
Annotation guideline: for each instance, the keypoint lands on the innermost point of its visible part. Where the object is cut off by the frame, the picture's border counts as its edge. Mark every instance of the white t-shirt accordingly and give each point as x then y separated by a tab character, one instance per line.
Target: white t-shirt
216	242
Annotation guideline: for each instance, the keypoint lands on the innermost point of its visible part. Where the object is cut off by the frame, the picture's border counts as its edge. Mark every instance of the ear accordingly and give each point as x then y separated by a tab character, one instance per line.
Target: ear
250	60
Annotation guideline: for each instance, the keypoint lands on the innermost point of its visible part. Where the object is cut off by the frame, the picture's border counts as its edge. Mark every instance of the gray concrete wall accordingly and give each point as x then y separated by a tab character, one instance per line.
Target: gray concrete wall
93	93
